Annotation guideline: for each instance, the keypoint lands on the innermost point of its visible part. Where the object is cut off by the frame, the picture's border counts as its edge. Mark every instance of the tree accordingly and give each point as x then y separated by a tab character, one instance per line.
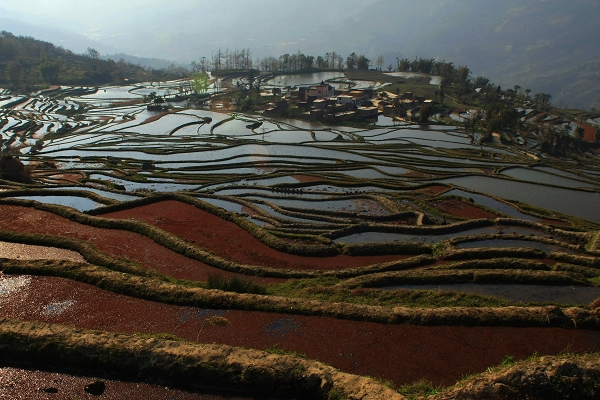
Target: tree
379	61
425	112
93	53
481	82
351	61
543	100
363	62
14	73
49	71
200	82
390	68
403	65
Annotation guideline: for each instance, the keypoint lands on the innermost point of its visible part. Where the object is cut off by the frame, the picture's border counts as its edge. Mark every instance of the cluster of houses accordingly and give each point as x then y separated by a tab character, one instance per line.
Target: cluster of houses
325	103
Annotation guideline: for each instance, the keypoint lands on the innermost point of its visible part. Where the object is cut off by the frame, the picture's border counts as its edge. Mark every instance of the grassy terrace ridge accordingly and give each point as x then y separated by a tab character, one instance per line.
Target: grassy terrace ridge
455	276
184	364
183	247
187	365
171	293
566	376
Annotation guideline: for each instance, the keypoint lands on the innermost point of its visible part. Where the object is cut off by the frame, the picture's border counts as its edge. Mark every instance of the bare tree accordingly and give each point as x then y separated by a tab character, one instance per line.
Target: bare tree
379	61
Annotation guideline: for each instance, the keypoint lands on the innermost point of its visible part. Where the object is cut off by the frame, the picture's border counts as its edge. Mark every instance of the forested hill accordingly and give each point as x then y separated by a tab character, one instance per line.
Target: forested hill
27	64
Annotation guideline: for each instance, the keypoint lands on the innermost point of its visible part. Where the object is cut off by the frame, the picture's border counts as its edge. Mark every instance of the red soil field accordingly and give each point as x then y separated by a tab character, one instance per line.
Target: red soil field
434	189
154	118
228	240
307	178
115	243
461	209
19	383
400	353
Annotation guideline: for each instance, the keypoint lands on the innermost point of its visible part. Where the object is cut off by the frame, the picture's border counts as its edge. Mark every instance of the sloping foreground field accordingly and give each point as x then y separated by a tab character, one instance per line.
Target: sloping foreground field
138	283
241	256
191	365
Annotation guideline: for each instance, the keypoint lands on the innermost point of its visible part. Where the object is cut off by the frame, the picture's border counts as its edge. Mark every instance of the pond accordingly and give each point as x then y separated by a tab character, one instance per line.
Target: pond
112	92
79	203
131	186
274	213
362	206
500	243
572	202
269	150
253	190
227	205
580	295
103	193
304	79
493	204
530	175
385	237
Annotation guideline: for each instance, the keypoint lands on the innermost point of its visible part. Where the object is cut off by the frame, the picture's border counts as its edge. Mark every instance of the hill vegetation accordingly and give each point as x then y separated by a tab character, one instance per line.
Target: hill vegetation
28	64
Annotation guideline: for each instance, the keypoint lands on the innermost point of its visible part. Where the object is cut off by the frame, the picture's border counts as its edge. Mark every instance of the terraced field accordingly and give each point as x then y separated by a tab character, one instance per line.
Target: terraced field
209	252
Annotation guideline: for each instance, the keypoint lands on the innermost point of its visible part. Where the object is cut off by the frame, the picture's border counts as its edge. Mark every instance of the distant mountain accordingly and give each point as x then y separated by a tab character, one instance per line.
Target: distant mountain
154	63
69	40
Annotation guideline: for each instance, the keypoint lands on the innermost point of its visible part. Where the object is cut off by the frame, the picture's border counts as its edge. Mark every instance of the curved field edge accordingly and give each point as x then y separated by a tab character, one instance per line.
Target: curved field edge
169	293
188	365
183	247
502	269
184	364
549	378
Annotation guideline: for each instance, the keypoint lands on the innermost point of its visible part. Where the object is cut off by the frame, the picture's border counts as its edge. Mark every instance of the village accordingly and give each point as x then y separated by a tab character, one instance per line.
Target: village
323	102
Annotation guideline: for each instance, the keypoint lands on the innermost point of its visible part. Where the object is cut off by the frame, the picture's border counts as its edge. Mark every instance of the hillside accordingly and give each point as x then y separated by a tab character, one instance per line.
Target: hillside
27	64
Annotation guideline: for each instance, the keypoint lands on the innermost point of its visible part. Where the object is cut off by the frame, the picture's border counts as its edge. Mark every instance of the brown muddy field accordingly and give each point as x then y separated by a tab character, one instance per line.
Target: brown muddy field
116	243
35	384
228	240
461	209
400	353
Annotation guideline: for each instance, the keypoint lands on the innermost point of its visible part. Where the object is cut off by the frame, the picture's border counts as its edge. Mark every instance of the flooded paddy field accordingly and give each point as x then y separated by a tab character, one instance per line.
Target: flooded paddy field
136	212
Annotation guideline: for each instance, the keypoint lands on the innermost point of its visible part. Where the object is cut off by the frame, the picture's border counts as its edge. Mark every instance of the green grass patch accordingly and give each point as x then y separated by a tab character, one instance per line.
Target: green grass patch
275	349
419	390
324	289
235	284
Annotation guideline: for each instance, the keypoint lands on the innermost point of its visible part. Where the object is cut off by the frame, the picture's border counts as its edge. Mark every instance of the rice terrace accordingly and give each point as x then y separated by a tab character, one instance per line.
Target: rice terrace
163	241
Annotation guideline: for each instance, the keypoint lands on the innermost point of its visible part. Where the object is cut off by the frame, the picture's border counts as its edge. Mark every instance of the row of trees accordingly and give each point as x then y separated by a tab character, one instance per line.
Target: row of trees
241	60
27	64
